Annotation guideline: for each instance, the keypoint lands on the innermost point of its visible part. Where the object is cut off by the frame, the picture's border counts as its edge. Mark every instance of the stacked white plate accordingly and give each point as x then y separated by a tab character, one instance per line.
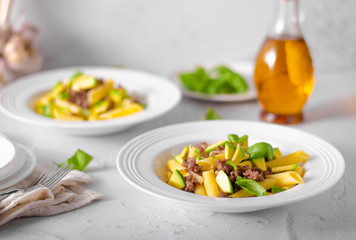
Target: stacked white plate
16	162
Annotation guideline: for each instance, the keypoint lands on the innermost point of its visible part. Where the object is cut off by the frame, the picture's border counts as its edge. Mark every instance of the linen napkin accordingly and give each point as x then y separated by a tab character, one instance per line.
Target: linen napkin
69	194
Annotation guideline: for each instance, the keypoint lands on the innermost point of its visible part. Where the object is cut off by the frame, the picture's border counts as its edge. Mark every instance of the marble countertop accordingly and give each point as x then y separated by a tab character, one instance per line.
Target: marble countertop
127	213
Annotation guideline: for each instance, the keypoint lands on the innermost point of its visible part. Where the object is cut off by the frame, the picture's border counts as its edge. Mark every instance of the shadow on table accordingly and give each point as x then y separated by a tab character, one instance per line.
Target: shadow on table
341	107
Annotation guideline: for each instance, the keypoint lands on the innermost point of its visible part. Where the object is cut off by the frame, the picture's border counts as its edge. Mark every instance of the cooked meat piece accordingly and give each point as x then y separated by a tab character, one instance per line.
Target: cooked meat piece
221	165
255	174
201	148
217	150
189	183
79	98
222	194
190	165
239	172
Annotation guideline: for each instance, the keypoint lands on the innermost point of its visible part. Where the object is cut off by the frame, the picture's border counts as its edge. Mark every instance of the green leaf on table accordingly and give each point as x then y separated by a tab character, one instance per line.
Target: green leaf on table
79	160
210	114
251	186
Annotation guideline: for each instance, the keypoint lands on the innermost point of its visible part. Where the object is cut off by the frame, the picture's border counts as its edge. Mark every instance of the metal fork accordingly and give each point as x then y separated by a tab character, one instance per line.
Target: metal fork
48	179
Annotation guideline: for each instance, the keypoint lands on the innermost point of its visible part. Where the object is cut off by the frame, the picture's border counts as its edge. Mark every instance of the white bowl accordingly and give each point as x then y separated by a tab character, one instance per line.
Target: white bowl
160	95
142	162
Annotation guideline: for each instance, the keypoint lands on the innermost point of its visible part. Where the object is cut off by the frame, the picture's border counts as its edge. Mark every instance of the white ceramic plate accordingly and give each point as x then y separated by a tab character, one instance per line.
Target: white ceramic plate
245	69
28	163
7	152
160	95
142	162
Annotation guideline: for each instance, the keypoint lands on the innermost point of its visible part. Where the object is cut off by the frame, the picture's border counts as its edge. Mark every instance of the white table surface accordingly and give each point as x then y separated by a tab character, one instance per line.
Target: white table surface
126	213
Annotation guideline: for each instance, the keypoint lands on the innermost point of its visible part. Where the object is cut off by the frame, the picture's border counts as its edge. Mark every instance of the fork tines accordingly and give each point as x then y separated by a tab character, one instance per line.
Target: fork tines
49	180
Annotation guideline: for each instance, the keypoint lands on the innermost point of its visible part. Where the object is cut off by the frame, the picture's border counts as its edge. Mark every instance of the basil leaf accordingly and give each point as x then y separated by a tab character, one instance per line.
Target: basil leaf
251	186
79	160
210	114
260	149
276	189
232	164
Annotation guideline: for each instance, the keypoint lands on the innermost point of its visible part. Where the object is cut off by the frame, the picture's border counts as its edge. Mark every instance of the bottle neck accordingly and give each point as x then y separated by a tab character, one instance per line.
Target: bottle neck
285	24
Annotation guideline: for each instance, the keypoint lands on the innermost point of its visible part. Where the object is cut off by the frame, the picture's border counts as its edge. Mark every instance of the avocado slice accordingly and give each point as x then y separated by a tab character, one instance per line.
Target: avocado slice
84	82
184	153
260	162
116	96
229	150
243	141
233	138
246	162
224	182
212	147
57	89
177	180
100	107
291	167
277	153
191	152
179	159
239	154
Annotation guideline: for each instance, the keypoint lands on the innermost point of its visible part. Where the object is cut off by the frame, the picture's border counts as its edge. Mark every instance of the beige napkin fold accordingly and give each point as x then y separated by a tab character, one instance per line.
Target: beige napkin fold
69	194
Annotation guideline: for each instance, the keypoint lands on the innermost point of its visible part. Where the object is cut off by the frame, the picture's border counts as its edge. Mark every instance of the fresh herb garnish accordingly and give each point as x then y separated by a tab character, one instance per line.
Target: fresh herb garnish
197	152
210	114
276	189
232	164
260	149
79	160
251	186
220	80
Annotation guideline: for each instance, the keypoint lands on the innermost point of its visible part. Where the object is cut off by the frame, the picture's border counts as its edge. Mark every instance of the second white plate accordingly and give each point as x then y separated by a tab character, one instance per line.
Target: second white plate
142	162
245	69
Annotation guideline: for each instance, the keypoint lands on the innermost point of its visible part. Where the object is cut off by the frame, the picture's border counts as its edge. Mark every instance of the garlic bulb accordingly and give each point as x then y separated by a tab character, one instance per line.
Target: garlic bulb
20	51
5	73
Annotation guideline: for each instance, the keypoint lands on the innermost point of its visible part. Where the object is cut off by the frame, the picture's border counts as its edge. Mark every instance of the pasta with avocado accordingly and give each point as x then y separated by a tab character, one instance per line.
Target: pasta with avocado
232	168
84	97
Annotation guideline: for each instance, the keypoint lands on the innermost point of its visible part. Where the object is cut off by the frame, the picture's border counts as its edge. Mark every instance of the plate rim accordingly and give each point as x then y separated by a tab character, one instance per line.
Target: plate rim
30	158
325	186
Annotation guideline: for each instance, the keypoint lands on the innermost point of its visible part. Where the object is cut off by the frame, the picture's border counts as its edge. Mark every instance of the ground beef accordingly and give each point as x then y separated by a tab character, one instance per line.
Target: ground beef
255	174
189	183
217	150
190	165
239	172
201	148
221	165
79	98
222	194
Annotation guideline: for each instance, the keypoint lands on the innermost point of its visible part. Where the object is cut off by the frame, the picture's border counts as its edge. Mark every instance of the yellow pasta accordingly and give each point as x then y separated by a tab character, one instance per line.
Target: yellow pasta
300	170
172	165
266	184
296	157
210	184
216	171
286	178
67	117
289	186
200	189
167	176
85	97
